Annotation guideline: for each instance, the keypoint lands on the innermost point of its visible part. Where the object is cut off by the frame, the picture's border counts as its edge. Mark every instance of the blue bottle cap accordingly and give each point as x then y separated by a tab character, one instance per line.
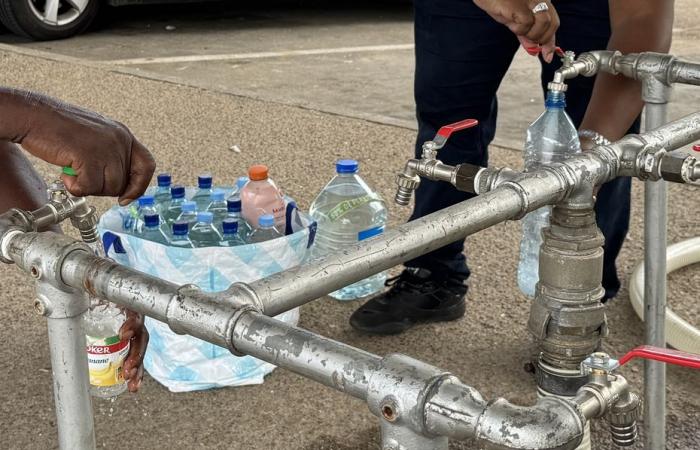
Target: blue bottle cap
346	166
266	220
204	181
233	206
151	220
177	191
164	179
147	200
218	196
189	206
181	228
241	181
230	226
555	99
205	216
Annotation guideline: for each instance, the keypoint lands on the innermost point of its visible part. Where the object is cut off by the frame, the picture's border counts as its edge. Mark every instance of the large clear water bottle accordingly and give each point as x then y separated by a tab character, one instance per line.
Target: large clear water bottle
203	233
203	195
162	193
174	209
152	230
266	230
348	211
233	205
551	138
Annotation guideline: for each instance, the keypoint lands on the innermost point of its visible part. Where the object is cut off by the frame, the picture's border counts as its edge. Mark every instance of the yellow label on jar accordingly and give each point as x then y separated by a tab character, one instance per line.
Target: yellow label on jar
106	360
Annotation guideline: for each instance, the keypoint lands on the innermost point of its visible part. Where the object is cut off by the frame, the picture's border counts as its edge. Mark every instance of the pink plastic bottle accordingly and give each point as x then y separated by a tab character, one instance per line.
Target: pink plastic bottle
261	196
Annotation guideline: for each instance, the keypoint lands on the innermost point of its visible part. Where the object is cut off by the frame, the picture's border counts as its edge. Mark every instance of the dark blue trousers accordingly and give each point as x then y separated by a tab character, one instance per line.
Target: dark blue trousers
462	55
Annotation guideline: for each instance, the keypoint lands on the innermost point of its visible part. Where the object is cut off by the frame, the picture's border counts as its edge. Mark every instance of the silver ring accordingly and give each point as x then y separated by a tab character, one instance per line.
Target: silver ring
540	7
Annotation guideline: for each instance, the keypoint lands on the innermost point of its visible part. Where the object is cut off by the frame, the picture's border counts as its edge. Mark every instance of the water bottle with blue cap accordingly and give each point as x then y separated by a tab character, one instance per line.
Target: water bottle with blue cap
188	212
162	193
152	230
180	236
203	232
217	206
266	230
550	139
231	236
233	206
174	209
348	211
236	193
147	206
203	195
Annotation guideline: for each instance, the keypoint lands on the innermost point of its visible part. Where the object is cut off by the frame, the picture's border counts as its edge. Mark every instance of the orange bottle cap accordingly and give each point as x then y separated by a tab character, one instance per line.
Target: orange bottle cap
258	172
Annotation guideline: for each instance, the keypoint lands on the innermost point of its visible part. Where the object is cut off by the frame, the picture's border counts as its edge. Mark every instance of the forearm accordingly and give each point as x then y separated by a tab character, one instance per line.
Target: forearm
616	100
16	110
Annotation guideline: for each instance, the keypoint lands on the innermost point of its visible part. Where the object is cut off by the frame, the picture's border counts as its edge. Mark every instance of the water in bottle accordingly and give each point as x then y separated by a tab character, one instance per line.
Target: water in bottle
203	233
261	196
551	138
236	193
266	230
231	236
234	212
174	209
218	207
180	236
189	212
152	230
147	206
203	195
162	194
348	211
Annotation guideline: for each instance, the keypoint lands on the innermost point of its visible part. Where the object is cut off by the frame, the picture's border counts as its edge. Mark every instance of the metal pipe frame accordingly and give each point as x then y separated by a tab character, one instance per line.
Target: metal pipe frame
420	405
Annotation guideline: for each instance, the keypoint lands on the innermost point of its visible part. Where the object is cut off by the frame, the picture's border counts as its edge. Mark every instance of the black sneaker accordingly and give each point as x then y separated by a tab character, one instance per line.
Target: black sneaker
414	296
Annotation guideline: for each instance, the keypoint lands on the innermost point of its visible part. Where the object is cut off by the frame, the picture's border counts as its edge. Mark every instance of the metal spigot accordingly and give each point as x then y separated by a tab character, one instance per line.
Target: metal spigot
428	166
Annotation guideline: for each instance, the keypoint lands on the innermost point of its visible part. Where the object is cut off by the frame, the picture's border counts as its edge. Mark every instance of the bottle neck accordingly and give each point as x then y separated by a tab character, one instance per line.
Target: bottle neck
556	100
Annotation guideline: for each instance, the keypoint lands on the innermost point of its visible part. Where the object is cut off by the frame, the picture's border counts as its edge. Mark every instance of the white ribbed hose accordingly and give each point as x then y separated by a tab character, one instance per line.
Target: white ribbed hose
679	334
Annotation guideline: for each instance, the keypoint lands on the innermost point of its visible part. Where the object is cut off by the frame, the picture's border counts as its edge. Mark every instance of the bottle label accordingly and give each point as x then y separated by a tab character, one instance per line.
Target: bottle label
346	206
370	232
106	360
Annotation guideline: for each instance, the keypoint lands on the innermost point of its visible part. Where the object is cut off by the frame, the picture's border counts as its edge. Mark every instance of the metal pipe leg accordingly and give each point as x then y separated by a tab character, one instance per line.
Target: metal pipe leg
395	437
655	217
69	367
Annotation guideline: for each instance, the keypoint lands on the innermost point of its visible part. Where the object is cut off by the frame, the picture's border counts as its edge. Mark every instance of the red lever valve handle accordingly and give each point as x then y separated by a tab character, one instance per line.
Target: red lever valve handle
684	359
445	132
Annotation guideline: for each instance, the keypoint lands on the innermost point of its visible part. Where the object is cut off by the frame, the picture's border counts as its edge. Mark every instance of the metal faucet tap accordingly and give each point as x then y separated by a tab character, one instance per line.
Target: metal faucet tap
429	166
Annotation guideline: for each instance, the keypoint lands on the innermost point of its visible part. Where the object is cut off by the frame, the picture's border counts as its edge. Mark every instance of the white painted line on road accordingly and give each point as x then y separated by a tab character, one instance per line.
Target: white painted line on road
257	55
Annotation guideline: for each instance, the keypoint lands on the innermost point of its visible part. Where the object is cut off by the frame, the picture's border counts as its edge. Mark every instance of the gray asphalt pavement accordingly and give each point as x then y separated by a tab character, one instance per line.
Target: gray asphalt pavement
298	112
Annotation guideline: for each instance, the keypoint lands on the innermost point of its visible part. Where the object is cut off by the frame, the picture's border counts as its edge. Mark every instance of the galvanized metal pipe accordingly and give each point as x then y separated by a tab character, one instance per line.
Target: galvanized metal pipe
655	218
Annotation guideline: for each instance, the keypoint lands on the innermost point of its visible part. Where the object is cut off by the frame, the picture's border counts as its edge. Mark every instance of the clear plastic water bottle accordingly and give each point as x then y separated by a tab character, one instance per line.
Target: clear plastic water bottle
266	230
234	212
551	138
203	233
203	195
236	193
174	209
218	207
147	206
162	194
348	211
152	230
189	212
231	237
180	236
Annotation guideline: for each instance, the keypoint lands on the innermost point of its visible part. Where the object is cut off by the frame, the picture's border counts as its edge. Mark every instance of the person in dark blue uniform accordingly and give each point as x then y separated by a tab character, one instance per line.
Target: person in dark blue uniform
463	50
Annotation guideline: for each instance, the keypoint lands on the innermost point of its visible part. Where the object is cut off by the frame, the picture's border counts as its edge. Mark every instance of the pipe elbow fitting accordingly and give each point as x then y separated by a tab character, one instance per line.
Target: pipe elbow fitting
551	424
407	182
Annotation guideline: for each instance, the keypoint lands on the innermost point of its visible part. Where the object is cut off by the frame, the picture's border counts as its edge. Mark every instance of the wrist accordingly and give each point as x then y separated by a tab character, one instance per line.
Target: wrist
591	138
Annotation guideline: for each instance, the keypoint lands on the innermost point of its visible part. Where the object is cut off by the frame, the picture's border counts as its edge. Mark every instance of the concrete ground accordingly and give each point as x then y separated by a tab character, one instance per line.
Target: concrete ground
316	103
